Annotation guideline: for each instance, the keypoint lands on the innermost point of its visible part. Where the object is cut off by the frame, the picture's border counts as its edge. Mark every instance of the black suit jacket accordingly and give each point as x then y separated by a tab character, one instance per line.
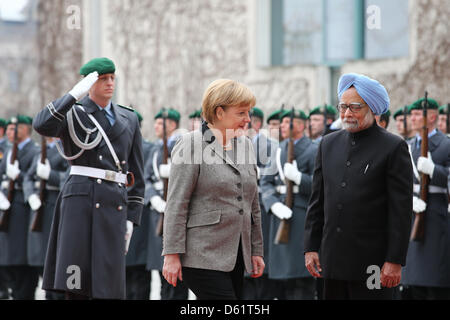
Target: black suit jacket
360	209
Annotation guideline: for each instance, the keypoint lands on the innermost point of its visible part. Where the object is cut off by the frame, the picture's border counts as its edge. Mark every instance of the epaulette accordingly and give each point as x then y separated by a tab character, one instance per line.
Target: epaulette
125	107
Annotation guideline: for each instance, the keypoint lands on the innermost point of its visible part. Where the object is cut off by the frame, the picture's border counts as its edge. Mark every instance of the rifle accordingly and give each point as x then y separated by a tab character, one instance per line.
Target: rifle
418	229
325	115
448	118
36	225
405	122
159	227
280	137
284	227
4	215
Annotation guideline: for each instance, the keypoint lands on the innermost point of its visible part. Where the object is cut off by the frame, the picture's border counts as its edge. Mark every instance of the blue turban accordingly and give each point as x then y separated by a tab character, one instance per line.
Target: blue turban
371	91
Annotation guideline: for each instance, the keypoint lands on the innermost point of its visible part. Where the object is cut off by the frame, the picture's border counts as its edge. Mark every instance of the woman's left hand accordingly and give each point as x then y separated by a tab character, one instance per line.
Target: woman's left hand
258	266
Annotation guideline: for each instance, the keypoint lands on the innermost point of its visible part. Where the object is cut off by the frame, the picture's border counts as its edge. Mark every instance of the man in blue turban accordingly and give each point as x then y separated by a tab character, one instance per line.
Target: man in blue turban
359	214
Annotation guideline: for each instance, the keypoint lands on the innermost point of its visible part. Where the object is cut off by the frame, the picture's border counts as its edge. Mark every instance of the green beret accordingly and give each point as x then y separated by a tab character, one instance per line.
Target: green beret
274	115
170	114
444	109
298	114
331	111
417	105
101	65
196	114
3	123
138	115
20	119
257	112
401	112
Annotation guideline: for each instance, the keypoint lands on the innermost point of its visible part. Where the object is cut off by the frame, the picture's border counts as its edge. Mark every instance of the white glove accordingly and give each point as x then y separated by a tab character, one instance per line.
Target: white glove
258	173
34	202
291	172
12	170
82	87
281	211
128	235
448	208
419	205
158	204
43	170
164	170
4	202
5	184
426	165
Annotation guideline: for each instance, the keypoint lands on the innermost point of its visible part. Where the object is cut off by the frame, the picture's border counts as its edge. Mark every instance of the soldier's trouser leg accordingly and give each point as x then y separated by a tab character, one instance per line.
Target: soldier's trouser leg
300	289
428	293
138	283
354	290
269	289
24	280
74	296
4	287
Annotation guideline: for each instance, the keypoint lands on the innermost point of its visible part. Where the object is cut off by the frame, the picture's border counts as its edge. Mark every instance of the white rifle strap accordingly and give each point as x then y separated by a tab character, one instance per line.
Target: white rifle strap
280	168
108	143
155	165
416	173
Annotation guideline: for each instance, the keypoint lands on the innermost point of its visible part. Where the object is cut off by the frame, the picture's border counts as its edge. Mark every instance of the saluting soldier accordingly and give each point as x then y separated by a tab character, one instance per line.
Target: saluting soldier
156	171
285	260
99	203
428	261
138	277
54	172
319	125
22	277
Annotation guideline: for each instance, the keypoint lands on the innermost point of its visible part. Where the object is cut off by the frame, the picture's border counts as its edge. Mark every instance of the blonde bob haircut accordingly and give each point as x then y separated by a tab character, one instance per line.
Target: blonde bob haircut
225	93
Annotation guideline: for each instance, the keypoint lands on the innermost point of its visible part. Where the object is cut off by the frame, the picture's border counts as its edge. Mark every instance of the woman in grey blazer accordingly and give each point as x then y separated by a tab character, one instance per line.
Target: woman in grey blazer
212	222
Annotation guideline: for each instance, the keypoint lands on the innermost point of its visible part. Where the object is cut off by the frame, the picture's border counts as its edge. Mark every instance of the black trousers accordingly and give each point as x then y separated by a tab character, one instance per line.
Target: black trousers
262	288
354	290
426	293
216	285
138	282
169	292
23	281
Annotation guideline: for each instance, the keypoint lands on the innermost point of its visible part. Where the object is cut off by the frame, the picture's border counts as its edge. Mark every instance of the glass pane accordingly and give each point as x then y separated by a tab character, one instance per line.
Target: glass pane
389	37
340	35
302	30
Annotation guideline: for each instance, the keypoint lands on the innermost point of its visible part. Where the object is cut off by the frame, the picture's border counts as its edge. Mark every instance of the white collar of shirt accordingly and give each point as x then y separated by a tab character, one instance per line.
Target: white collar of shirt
23	143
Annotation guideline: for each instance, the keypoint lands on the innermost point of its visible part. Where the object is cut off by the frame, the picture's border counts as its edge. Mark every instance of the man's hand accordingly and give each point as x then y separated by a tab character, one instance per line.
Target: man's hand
128	234
312	263
172	269
258	266
426	165
291	172
82	87
391	274
158	204
281	211
12	170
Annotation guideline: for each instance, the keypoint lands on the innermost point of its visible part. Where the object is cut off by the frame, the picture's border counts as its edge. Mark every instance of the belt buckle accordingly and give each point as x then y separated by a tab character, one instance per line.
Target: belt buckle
110	175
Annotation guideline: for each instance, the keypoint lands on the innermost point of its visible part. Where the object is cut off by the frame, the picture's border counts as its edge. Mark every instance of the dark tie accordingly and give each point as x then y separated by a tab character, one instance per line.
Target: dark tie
101	118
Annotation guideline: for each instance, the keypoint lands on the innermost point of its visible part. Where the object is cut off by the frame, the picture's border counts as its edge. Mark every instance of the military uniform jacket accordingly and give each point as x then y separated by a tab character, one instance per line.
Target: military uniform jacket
138	249
13	244
90	216
360	209
286	260
38	240
428	262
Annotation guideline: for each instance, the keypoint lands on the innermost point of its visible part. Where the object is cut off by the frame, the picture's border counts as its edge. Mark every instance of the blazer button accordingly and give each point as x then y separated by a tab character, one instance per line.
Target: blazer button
100	157
97	205
119	208
343	184
348	163
353	142
338	229
339	206
239	198
241	212
239	185
99	181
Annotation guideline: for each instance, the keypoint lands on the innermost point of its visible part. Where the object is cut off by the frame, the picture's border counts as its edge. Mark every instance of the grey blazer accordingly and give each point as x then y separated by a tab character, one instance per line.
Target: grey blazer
212	203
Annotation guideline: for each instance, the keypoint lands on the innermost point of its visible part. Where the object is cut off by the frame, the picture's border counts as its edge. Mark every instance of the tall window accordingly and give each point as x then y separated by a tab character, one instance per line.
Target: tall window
333	32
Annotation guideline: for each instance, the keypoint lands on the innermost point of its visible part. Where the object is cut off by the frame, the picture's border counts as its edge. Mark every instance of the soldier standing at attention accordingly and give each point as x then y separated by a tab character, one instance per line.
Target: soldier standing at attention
22	278
53	173
103	196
